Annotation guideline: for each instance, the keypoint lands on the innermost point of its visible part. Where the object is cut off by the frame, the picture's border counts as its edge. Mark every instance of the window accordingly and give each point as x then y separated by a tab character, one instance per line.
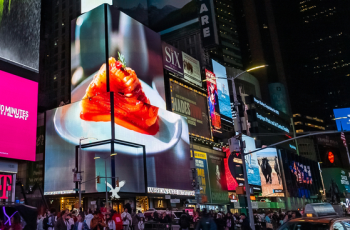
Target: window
298	123
299	131
296	115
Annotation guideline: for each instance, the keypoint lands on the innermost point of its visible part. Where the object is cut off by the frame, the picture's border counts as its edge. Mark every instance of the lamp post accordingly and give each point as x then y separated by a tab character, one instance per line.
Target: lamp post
113	154
79	166
239	129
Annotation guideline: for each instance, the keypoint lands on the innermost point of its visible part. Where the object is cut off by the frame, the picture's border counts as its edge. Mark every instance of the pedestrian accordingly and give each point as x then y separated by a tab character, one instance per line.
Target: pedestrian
69	221
88	218
135	220
229	221
110	222
97	222
245	225
50	222
80	224
118	221
184	221
206	222
61	221
141	224
140	214
126	217
40	221
219	221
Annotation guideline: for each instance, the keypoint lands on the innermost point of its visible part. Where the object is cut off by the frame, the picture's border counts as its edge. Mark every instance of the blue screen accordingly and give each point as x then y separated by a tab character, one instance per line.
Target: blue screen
342	118
223	91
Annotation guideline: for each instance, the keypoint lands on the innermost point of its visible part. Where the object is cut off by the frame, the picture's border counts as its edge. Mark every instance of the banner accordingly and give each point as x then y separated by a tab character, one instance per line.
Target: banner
192	71
172	59
202	175
193	105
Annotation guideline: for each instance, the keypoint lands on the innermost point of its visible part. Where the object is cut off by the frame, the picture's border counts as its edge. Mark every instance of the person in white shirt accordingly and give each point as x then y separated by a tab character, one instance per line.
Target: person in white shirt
110	222
126	217
80	224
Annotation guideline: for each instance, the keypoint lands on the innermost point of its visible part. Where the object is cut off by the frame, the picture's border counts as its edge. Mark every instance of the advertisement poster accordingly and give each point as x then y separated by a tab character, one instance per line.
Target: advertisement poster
18	117
172	59
223	90
192	71
270	172
217	180
165	139
336	178
20	32
213	100
192	105
135	57
251	161
342	119
233	169
202	175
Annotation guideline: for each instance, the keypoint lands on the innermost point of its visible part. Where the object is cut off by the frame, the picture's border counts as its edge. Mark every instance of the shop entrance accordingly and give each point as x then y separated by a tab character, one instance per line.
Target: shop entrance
118	205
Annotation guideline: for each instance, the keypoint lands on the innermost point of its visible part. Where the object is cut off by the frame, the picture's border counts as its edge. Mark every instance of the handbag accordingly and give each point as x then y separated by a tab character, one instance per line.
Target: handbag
269	225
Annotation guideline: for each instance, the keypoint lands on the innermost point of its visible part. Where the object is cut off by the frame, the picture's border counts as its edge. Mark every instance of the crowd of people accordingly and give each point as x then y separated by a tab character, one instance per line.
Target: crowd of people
205	220
97	220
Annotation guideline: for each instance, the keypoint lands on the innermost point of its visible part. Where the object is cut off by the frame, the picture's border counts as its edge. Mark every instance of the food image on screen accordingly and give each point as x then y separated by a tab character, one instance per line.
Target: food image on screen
131	106
270	172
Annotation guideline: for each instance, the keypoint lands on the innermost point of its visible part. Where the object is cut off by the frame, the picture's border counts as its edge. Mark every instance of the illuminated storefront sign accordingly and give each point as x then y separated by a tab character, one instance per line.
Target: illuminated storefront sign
6	185
331	157
292	147
267	120
266	106
170	191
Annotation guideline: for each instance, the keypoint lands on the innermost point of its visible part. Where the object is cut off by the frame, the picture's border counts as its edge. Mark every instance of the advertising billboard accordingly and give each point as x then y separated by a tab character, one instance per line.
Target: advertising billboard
336	178
251	161
20	32
233	169
270	172
213	100
192	105
172	59
223	90
342	119
135	56
163	134
192	70
202	175
217	178
18	117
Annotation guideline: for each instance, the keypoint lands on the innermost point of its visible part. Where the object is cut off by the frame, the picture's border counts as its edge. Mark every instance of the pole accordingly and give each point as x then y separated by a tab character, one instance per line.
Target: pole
106	184
294	135
78	169
239	129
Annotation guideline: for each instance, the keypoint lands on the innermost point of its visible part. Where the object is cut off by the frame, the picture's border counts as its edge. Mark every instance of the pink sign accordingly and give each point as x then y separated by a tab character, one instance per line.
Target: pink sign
18	117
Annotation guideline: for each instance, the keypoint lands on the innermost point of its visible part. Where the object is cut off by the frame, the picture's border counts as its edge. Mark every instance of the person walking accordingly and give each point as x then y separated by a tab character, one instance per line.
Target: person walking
110	222
61	222
206	222
88	218
135	220
141	224
229	221
49	224
184	221
126	217
80	224
245	225
97	223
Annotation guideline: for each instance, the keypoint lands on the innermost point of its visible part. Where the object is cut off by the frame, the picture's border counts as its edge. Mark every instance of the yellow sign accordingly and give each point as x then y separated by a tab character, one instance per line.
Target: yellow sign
200	155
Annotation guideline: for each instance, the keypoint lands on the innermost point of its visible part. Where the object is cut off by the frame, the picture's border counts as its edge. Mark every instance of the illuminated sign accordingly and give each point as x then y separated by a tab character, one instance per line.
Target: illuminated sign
344	179
6	185
208	23
273	123
331	157
115	190
292	147
278	191
266	106
170	191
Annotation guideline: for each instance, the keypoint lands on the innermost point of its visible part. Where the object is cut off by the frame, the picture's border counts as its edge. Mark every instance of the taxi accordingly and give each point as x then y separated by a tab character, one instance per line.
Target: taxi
319	216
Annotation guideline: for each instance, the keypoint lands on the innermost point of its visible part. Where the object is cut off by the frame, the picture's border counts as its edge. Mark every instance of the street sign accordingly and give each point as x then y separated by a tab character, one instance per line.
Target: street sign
167	197
175	201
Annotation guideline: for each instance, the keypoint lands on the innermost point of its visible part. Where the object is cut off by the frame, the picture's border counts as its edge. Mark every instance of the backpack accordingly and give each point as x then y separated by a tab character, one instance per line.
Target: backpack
46	223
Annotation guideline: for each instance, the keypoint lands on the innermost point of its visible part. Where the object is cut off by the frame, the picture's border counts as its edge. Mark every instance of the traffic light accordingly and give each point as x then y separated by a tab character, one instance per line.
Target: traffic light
98	180
117	182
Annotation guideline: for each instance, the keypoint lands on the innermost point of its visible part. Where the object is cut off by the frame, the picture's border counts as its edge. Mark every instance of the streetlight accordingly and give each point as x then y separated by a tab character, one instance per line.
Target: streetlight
239	129
95	158
79	167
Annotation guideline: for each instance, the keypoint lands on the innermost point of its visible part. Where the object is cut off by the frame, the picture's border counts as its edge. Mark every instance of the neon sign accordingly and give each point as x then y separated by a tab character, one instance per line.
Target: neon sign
267	120
266	106
4	187
331	157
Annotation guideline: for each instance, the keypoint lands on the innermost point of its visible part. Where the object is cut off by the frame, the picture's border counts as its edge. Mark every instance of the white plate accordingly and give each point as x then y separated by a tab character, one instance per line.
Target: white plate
71	128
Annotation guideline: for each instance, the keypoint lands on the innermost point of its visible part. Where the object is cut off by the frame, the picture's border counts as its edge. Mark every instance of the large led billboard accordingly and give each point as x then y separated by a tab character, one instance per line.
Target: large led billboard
20	32
217	178
163	134
251	160
342	119
192	105
270	172
213	100
223	90
134	52
202	175
18	117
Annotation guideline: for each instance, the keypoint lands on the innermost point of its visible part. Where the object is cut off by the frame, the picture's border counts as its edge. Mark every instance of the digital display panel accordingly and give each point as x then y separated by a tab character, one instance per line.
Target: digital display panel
217	180
192	105
202	175
270	172
251	160
165	141
213	100
342	119
18	117
135	57
223	90
20	32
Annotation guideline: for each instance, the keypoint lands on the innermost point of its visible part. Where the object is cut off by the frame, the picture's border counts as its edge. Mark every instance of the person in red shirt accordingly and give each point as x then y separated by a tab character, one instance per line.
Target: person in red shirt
118	221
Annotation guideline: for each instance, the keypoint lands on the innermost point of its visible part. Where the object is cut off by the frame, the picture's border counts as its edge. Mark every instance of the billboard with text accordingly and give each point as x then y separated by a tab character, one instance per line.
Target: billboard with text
213	100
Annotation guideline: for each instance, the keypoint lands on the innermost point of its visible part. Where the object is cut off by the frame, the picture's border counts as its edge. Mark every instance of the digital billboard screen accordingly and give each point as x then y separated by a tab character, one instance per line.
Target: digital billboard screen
18	117
251	160
202	175
213	100
223	90
135	56
20	32
217	180
163	134
342	119
270	172
192	105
